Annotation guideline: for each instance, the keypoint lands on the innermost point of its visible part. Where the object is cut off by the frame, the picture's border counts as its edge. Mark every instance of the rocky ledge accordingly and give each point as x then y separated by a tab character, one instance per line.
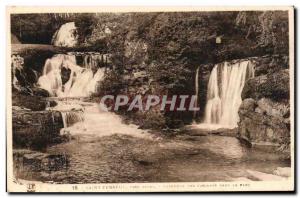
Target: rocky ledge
35	129
265	111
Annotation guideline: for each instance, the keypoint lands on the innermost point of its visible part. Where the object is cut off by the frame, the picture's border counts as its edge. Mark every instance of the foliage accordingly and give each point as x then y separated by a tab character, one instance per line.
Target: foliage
85	25
39	28
35	28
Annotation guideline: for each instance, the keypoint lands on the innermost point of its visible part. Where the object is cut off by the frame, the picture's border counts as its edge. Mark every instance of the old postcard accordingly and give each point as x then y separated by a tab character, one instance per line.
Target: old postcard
106	99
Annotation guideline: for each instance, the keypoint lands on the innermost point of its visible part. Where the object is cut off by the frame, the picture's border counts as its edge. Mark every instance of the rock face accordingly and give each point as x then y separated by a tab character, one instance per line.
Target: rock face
263	122
265	110
35	102
35	129
274	86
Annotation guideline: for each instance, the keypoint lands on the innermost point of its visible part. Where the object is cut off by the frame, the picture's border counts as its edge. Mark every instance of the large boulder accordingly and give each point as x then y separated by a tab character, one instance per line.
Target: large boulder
40	165
274	86
265	110
264	122
35	129
247	105
273	108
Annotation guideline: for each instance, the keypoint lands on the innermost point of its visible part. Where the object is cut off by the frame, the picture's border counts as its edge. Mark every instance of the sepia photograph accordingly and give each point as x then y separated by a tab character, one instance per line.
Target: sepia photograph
150	99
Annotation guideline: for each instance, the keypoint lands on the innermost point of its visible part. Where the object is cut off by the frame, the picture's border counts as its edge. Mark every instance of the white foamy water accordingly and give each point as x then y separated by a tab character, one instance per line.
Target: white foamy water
81	117
66	36
82	81
224	91
102	123
72	112
93	60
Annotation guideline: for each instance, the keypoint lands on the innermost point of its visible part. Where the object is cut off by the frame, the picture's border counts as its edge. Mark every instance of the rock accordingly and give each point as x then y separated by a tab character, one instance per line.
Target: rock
269	147
35	129
274	86
45	175
248	104
265	110
52	103
258	110
38	161
36	91
65	74
35	103
264	176
283	171
194	130
34	155
273	108
31	76
263	124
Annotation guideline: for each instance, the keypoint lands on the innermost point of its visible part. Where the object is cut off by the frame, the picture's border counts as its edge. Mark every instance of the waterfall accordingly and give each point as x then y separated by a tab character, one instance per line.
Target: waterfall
82	81
72	117
91	61
71	112
225	86
196	89
66	36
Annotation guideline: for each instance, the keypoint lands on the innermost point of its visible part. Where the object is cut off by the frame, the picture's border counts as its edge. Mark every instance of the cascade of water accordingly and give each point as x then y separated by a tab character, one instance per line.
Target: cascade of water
225	86
86	62
66	36
92	86
71	112
101	123
95	60
72	117
82	82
